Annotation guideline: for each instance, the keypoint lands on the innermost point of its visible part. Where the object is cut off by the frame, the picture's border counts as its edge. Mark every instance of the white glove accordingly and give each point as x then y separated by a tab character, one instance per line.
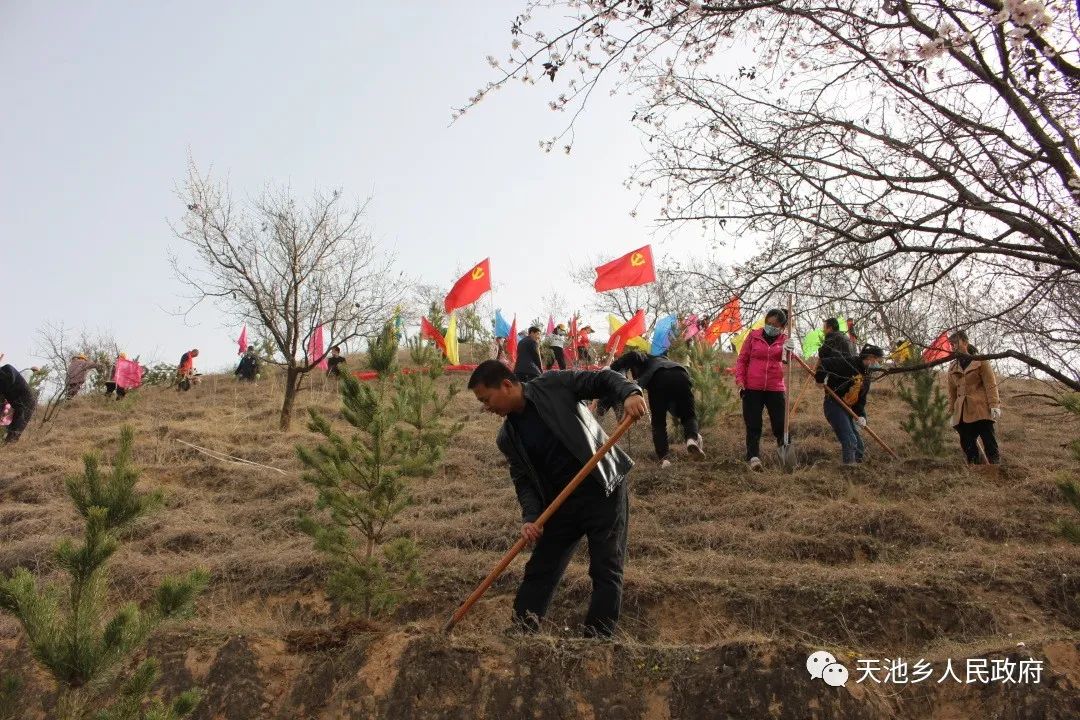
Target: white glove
789	345
995	414
861	422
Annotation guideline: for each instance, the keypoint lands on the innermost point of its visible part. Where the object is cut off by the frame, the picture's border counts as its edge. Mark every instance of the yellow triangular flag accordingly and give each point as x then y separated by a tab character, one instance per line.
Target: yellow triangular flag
741	337
451	340
638	343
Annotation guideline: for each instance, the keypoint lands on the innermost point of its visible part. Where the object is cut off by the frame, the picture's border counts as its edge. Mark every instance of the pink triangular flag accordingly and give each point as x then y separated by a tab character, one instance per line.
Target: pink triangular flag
243	341
128	374
550	325
315	349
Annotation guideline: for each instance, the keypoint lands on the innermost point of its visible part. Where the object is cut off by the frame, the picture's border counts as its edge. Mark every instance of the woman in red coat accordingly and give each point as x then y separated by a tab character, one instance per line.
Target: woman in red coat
759	375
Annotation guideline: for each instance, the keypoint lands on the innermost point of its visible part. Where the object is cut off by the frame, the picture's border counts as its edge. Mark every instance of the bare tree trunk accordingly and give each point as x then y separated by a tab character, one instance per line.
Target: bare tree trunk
292	383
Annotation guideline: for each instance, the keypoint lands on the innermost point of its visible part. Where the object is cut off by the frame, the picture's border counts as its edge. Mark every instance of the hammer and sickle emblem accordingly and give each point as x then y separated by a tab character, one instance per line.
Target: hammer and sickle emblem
637	259
477	273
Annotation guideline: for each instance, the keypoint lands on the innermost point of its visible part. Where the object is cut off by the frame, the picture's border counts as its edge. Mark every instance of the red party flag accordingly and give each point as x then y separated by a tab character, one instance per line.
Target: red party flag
428	331
634	268
470	287
316	349
729	320
511	342
633	328
941	348
243	341
128	374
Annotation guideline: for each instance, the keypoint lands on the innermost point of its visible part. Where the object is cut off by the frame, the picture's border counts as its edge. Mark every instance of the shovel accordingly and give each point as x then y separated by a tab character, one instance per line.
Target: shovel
520	544
787	452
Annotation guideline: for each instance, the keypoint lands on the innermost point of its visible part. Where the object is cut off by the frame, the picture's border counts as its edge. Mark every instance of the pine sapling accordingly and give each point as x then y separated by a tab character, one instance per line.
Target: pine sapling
70	631
929	417
361	479
713	395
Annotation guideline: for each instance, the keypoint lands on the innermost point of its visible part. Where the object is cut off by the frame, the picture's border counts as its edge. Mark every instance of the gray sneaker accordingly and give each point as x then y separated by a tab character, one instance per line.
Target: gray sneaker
693	446
755	464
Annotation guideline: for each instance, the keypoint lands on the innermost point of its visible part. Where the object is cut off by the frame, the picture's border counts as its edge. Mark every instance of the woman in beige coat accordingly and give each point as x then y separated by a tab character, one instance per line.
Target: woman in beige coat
974	400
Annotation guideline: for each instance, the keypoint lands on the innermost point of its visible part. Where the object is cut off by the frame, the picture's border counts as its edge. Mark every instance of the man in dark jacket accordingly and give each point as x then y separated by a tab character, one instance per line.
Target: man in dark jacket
15	391
248	369
849	379
670	390
335	361
548	436
836	343
529	365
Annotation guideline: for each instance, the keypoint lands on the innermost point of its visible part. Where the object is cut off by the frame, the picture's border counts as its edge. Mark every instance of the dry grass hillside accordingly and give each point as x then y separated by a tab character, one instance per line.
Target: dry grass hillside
733	578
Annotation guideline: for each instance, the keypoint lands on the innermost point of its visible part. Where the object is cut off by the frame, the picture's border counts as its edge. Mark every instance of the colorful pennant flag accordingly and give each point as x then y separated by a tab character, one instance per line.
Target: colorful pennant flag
502	328
662	332
634	268
940	348
128	373
730	317
316	349
623	334
812	342
427	330
242	342
469	287
550	326
511	342
451	340
741	337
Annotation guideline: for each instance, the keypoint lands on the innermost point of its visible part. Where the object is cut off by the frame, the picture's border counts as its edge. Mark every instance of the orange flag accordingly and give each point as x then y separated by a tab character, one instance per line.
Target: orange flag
632	329
635	268
941	348
470	287
729	320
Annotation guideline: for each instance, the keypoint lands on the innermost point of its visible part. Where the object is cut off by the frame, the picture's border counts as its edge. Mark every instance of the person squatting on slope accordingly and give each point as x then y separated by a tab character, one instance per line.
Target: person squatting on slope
185	373
76	374
547	436
670	390
529	366
557	343
849	379
15	391
974	401
248	369
836	343
759	375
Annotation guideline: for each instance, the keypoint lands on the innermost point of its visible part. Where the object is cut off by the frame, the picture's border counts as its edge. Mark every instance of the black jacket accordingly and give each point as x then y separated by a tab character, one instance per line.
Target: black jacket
248	367
528	357
559	396
643	366
837	344
839	373
14	388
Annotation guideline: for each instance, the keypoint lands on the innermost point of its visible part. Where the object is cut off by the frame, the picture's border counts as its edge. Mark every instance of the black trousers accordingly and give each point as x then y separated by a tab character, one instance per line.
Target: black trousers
671	390
21	411
753	403
604	521
969	437
560	357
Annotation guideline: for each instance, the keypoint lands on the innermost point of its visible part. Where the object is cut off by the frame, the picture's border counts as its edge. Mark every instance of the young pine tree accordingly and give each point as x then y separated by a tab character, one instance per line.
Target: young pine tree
712	387
929	417
361	479
71	632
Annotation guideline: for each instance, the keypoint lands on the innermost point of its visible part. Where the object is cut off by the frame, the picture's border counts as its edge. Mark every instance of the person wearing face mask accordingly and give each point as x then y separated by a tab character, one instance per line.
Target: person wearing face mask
759	375
974	400
849	379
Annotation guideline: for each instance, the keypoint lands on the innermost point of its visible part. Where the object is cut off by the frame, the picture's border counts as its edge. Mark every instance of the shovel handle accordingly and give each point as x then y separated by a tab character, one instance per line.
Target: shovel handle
850	412
544	517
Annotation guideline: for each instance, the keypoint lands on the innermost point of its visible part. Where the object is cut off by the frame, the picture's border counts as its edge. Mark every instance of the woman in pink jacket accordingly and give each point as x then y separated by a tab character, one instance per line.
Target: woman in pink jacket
759	375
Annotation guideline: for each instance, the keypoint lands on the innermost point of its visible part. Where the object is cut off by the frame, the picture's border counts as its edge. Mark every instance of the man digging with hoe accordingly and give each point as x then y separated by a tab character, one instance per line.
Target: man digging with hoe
549	436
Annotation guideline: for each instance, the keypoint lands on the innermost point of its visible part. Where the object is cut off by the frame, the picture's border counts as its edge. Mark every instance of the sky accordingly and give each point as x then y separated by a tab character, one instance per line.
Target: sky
103	102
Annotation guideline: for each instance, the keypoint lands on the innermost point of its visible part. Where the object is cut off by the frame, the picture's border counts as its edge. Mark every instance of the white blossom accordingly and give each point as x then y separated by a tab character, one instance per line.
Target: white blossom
945	29
492	61
516	44
931	50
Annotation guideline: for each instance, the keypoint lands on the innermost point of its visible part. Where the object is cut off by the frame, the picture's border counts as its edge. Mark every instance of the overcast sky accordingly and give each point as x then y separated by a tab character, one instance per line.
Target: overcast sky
100	103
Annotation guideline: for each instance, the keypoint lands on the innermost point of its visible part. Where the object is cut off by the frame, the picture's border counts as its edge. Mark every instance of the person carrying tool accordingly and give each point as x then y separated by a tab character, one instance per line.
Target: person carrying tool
670	389
759	375
849	379
974	401
529	365
548	436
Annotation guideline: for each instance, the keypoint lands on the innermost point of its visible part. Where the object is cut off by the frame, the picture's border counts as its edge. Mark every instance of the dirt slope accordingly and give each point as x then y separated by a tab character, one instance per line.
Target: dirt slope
733	578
